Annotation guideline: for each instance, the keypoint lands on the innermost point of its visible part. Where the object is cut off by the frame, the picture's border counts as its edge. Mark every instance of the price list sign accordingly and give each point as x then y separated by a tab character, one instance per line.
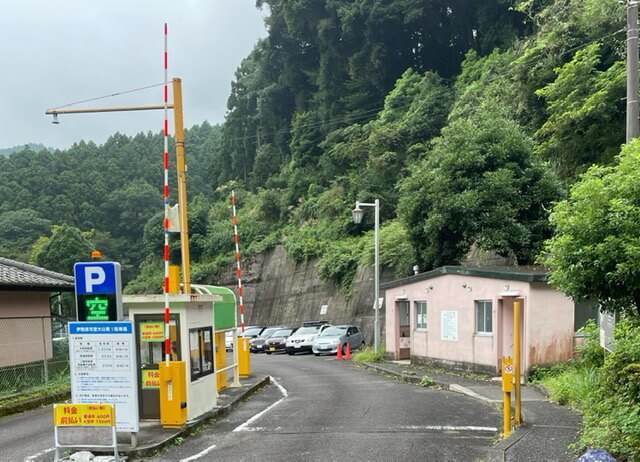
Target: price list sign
103	368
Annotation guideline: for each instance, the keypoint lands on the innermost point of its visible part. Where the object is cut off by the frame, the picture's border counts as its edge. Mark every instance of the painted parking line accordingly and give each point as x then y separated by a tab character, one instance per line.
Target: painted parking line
200	454
245	425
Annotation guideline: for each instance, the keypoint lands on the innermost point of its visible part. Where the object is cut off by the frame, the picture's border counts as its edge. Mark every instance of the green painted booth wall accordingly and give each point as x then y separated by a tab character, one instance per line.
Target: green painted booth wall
224	312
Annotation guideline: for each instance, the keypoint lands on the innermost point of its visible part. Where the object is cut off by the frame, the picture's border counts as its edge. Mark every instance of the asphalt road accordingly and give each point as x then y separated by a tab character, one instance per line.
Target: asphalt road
325	410
26	434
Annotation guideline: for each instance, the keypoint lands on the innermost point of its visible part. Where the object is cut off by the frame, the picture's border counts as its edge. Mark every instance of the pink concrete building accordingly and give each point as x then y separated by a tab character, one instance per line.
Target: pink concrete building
463	317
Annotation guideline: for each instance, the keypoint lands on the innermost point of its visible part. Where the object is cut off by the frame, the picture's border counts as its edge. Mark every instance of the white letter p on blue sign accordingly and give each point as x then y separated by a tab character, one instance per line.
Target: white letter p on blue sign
93	276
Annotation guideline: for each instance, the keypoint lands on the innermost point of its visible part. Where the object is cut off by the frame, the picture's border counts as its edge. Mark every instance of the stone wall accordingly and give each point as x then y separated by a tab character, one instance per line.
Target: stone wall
280	291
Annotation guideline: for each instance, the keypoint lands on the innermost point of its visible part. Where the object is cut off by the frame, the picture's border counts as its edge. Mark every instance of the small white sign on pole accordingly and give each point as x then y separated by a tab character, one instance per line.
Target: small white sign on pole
449	326
102	357
607	323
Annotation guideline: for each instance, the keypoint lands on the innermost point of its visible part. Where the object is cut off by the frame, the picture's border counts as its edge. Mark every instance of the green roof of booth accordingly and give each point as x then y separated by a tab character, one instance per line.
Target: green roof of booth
224	312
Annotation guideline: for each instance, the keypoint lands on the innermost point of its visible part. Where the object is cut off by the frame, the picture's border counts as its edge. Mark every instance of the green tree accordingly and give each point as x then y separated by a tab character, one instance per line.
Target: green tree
19	229
586	113
479	184
66	246
595	248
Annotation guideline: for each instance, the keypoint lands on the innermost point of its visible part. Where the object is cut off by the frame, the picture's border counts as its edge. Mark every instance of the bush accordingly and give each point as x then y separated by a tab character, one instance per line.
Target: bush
369	356
590	353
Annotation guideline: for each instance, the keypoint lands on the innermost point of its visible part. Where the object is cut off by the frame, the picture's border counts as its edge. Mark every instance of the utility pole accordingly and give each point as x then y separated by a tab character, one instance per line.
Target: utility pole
180	163
633	128
182	185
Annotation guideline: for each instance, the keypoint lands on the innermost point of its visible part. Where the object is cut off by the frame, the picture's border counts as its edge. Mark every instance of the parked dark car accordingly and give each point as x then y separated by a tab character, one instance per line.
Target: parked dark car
256	345
278	341
251	331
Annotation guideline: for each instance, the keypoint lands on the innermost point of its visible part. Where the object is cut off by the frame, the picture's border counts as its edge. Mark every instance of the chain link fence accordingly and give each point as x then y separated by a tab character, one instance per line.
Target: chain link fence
33	351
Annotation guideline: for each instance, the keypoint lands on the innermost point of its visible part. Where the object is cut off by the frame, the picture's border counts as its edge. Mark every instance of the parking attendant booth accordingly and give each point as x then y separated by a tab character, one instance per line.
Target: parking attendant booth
225	322
192	340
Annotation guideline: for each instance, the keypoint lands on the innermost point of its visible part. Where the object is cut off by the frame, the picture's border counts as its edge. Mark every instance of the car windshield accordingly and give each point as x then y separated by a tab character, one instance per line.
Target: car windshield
252	331
282	333
269	332
333	331
307	330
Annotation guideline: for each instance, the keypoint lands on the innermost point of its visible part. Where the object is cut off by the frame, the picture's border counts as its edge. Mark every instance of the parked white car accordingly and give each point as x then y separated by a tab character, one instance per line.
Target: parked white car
303	338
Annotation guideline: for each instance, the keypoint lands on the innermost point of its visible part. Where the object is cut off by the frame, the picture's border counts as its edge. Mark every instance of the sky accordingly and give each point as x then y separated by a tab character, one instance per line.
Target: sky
55	53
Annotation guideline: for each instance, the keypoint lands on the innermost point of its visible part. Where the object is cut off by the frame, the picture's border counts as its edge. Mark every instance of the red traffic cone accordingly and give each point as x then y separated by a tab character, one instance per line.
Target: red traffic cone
339	353
347	357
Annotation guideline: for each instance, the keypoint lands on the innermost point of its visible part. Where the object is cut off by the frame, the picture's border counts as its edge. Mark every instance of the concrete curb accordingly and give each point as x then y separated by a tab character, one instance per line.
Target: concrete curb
146	451
34	403
414	379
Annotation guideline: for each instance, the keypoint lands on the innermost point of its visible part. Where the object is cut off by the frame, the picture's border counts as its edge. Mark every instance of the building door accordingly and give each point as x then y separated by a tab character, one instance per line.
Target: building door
150	344
404	326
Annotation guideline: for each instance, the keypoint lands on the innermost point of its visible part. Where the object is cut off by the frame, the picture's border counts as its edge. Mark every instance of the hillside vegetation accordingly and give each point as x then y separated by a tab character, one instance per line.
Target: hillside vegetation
468	120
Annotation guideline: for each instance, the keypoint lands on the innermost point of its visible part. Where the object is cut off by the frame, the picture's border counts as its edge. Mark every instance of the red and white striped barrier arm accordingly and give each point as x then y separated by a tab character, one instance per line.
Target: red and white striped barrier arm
165	195
236	239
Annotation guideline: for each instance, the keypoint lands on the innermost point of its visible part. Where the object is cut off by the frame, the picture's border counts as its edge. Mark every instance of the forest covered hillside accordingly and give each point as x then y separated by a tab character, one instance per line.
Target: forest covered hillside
467	119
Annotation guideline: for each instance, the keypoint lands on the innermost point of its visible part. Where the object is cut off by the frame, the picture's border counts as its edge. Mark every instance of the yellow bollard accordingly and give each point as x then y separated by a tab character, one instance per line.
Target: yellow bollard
517	359
507	388
221	361
244	357
173	394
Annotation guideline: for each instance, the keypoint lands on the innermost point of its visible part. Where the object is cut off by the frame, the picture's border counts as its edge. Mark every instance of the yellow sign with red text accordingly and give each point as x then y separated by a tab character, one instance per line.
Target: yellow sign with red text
150	379
152	331
83	415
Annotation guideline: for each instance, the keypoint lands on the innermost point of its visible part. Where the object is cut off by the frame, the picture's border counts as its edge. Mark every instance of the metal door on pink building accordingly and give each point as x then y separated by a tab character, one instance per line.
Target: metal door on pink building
403	321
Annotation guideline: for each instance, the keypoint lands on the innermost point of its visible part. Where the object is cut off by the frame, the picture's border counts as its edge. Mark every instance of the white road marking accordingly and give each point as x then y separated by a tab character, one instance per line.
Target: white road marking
39	454
244	426
200	454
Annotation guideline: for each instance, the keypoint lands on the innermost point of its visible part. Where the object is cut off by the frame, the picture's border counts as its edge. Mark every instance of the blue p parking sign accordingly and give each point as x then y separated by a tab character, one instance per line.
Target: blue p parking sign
98	291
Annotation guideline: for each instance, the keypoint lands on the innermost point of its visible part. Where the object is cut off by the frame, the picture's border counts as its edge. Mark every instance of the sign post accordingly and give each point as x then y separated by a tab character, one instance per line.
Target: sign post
103	368
84	415
98	291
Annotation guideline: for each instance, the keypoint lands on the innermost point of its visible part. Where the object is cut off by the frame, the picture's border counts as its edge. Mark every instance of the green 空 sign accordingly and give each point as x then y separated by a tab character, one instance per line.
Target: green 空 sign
97	308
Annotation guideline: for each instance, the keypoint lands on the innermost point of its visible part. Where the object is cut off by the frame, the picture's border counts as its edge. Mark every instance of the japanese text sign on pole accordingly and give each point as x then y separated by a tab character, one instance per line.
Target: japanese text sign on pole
102	359
98	291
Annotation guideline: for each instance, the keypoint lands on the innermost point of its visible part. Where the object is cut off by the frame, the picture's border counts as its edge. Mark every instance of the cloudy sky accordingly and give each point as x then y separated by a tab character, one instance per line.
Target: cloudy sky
54	53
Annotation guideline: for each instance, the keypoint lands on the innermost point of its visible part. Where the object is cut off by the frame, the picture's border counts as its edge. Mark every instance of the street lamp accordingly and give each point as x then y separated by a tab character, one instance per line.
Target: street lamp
357	214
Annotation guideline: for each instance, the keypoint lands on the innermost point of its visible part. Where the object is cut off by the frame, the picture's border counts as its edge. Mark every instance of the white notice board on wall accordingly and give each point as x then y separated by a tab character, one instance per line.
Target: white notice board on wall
102	357
449	326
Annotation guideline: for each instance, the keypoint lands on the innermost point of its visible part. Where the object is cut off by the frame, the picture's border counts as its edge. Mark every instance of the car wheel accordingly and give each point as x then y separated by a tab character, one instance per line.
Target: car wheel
291	353
317	354
268	352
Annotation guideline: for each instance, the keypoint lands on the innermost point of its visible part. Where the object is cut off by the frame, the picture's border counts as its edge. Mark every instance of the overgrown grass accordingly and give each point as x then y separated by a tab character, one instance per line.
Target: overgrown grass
369	356
573	387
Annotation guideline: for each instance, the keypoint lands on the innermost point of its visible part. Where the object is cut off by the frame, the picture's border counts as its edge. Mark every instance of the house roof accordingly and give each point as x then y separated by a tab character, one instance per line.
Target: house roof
509	273
15	275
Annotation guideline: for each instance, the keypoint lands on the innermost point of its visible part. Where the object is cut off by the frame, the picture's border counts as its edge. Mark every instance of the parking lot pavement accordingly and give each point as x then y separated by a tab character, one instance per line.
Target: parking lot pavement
322	409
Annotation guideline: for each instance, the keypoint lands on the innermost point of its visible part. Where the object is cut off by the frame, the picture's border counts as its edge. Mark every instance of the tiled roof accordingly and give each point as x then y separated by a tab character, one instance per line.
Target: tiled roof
18	275
509	273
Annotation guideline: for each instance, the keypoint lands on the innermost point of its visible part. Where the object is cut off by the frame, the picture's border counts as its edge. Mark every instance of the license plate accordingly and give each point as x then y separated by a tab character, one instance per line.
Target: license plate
272	349
296	346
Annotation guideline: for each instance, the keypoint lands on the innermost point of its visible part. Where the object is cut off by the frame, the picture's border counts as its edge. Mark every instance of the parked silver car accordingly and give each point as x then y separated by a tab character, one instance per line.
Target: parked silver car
336	337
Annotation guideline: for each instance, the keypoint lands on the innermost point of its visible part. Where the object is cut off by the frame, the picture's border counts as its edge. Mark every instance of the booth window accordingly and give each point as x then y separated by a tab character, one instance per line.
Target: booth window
421	315
484	317
201	352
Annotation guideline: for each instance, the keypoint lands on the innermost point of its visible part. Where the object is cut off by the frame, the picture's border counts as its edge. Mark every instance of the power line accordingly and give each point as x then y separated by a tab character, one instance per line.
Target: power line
118	93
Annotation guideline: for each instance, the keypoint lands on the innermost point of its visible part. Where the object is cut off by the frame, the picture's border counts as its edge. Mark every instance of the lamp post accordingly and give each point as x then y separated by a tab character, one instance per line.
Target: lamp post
357	214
